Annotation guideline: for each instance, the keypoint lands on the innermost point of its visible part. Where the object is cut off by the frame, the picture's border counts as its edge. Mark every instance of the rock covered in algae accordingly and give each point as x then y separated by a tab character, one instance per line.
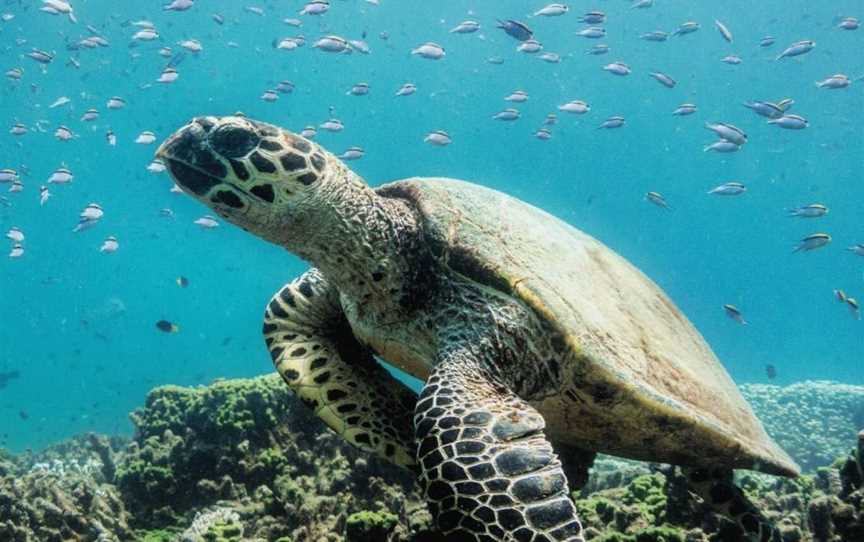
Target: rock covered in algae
813	421
252	444
63	494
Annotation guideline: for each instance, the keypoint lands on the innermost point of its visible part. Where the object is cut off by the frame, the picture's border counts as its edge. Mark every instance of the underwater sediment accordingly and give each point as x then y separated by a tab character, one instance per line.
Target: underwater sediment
245	460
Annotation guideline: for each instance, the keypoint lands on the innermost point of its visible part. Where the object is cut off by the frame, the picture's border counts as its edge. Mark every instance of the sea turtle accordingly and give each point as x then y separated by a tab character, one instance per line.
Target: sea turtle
538	346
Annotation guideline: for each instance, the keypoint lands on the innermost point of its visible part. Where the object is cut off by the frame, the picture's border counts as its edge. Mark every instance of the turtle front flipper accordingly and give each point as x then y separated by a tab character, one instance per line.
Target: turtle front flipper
487	470
717	488
318	356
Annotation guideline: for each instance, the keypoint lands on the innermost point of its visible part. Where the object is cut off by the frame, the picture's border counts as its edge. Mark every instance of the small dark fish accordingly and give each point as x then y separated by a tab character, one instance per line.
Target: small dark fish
515	29
167	327
176	60
182	282
771	371
7	376
23	415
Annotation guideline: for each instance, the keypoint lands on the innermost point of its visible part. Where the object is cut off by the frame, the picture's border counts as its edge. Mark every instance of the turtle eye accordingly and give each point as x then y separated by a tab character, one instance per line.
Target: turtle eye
233	140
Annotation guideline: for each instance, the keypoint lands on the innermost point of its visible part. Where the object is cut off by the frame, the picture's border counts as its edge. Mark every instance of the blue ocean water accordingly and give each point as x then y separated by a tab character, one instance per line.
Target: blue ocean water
77	336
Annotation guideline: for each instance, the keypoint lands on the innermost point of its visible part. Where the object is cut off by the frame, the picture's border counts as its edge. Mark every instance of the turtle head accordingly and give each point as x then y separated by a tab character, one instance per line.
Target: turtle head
250	173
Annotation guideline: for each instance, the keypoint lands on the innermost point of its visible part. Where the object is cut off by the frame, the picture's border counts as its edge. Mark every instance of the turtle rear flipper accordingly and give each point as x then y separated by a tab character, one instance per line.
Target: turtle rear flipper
718	490
486	466
318	356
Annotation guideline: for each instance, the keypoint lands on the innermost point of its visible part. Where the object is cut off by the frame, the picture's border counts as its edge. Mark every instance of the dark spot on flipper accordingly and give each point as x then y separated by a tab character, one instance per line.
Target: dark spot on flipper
298	352
228	198
306	289
483	471
291	375
363	438
549	515
510	519
301	145
348	407
239	170
521	460
539	487
292	162
276	352
269	328
322	378
336	395
277	309
317	363
287	297
307	178
317	162
270	145
198	182
262	164
264	191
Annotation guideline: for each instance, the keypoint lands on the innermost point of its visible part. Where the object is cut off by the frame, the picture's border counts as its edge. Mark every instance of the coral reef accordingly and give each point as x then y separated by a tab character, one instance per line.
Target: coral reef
814	421
243	460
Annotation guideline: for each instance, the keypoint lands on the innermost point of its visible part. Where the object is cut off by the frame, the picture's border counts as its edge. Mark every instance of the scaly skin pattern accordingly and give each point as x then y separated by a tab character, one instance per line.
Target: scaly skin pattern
381	287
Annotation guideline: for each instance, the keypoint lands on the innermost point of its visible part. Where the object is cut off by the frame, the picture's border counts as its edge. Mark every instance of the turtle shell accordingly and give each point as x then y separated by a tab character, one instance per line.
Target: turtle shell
638	380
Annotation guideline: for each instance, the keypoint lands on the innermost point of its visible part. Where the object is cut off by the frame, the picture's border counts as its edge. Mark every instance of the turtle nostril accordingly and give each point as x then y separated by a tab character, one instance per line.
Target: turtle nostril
233	140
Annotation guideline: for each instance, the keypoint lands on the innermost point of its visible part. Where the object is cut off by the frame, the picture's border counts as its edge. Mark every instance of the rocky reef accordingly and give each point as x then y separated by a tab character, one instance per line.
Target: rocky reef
243	460
814	421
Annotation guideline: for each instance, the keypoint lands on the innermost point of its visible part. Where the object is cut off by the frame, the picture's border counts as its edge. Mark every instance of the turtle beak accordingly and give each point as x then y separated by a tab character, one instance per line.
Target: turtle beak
187	155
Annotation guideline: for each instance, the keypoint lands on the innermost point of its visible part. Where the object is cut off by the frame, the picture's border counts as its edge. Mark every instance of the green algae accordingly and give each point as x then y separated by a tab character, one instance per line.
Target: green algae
368	525
224	532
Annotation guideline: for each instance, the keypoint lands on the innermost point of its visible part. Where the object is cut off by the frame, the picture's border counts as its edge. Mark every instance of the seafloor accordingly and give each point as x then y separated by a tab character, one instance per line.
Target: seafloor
244	460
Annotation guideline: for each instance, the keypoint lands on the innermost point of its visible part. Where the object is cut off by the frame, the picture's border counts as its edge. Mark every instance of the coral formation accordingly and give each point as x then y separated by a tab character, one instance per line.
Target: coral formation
244	460
814	421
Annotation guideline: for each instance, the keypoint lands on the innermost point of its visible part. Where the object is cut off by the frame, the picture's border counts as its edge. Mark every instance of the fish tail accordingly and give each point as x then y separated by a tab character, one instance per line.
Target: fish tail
175	328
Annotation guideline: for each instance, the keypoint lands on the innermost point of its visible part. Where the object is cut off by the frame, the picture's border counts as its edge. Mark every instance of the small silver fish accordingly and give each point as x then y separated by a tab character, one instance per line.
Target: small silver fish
438	138
207	222
111	138
735	314
656	35
465	27
90	115
316	7
849	23
353	153
543	134
156	166
515	29
360	89
42	57
765	109
686	28
145	138
812	242
835	81
663	79
593	17
731	59
840	296
767	41
797	49
857	249
592	32
44	195
612	123
93	211
14	74
790	122
8	175
407	89
530	47
17	250
309	132
508	114
285	87
429	50
61	175
109	245
617	68
18	129
814	210
577	107
15	234
178	5
600	49
333	44
657	199
684	110
63	133
168	75
270	96
728	189
724	31
552	10
852	303
552	58
728	132
115	102
517	96
332	125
